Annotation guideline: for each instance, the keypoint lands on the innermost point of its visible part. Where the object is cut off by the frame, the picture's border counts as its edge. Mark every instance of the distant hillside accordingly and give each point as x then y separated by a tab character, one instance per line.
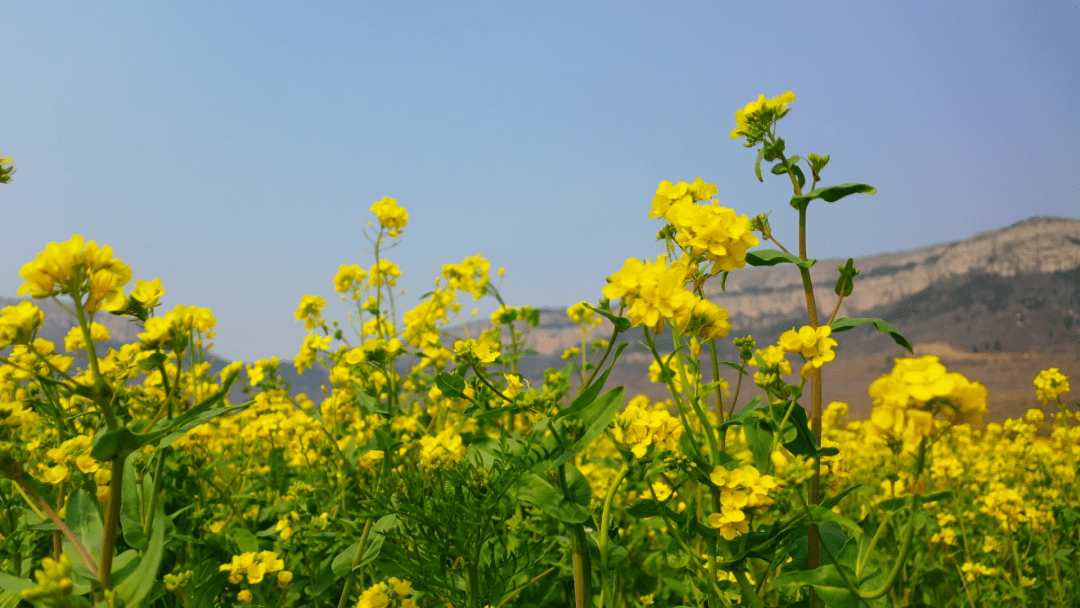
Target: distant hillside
997	307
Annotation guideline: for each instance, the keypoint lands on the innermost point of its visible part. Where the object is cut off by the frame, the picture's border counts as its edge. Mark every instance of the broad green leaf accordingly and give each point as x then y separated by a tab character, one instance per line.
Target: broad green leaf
594	418
759	435
757	164
644	507
840	325
586	397
580	490
772	257
245	541
135	588
831	194
14	584
534	490
130	507
152	361
450	384
85	522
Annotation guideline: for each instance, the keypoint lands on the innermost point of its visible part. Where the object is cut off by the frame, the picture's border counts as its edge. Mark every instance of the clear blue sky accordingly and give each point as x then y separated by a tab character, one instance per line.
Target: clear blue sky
233	148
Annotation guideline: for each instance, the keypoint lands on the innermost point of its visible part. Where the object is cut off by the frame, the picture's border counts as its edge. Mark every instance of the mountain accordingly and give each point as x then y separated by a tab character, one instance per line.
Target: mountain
998	307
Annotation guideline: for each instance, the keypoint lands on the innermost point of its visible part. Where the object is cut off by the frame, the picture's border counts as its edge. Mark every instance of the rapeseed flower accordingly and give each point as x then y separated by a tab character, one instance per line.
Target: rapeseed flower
653	292
1051	384
76	267
754	120
391	216
815	346
639	426
18	323
310	311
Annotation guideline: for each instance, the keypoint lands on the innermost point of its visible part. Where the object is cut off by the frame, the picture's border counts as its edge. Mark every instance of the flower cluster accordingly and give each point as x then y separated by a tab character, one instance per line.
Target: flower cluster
310	311
391	216
918	389
815	346
754	120
18	323
471	275
639	426
255	566
742	489
54	583
1051	384
76	267
653	292
177	322
391	594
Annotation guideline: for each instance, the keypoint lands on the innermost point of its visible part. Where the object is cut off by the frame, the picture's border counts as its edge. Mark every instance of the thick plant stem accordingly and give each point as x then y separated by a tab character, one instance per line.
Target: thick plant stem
112	521
582	569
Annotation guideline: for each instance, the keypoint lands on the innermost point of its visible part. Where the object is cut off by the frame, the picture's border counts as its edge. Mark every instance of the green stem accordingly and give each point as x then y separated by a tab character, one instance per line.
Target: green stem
607	592
356	560
112	521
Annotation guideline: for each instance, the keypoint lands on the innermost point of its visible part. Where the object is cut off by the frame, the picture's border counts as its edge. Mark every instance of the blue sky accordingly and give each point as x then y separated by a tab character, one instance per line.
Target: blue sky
234	148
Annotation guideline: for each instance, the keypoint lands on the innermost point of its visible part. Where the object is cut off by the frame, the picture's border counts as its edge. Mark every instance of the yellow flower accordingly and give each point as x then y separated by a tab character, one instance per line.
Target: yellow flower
18	323
814	345
76	268
653	292
348	277
1050	384
74	339
513	385
581	315
310	311
752	120
391	216
482	350
245	596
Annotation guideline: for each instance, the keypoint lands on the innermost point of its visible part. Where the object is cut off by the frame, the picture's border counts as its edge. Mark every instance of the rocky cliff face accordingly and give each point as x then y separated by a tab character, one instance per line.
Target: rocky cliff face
759	297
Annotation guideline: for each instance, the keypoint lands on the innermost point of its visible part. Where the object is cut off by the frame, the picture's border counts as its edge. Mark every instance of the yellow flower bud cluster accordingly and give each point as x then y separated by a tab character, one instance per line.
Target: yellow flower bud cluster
776	365
580	315
76	267
641	425
54	583
12	413
391	594
18	323
421	323
714	232
741	490
254	566
349	277
1051	384
918	389
391	216
815	346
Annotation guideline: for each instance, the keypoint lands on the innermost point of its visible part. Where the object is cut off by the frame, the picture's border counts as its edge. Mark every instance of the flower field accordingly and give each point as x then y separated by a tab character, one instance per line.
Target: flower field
430	473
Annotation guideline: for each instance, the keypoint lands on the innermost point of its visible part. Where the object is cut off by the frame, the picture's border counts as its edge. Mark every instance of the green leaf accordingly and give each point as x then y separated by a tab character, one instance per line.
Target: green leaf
594	418
83	519
534	490
644	507
14	584
152	361
586	397
245	541
376	537
831	194
840	325
450	384
757	164
675	556
759	435
845	285
111	444
620	323
781	170
134	588
130	509
580	490
772	257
